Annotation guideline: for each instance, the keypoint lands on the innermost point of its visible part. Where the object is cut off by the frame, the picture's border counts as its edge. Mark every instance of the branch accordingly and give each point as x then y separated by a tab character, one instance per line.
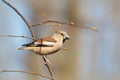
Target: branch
16	36
58	23
30	27
49	67
27	72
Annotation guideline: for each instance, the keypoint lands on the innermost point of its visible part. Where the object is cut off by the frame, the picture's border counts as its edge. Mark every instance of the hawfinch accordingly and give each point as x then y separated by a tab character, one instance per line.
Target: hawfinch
47	45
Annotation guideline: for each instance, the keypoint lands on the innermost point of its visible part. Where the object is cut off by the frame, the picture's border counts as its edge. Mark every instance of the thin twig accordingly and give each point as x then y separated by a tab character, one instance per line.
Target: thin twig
15	36
27	72
30	28
58	23
49	68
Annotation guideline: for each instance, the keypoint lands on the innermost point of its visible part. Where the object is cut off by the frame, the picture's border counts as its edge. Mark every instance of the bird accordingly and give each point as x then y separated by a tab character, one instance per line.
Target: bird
47	45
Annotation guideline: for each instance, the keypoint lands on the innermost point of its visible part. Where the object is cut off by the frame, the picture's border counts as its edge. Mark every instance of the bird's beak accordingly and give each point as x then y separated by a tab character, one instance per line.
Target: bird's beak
68	37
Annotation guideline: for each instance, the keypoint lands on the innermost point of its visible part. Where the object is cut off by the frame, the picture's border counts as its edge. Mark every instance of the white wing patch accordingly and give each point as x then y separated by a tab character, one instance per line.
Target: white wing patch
44	43
48	43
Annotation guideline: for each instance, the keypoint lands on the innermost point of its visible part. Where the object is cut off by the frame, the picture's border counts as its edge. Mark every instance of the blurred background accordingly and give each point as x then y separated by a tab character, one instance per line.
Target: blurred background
90	55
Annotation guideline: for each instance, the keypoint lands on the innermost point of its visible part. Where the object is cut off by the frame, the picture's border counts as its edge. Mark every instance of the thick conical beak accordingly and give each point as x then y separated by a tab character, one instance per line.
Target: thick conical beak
68	37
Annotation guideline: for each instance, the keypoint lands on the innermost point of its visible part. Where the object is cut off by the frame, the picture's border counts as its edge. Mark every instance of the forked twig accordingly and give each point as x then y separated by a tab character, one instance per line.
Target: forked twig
30	28
27	72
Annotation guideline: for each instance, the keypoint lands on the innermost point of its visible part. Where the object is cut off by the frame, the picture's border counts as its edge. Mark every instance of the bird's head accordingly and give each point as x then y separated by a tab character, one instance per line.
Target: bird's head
63	35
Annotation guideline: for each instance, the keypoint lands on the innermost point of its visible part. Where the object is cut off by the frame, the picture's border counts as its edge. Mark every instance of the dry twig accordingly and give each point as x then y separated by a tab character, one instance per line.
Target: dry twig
16	36
59	24
30	28
27	72
49	68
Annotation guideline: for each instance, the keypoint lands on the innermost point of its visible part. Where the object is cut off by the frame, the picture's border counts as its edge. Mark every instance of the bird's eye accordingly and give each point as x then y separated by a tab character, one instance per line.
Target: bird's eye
62	34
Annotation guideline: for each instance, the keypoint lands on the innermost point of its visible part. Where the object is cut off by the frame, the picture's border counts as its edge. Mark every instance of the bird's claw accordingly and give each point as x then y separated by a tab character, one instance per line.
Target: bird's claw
46	60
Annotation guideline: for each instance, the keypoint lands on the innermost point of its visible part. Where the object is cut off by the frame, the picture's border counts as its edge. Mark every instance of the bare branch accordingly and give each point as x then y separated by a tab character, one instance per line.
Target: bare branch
49	68
16	36
30	28
27	72
58	24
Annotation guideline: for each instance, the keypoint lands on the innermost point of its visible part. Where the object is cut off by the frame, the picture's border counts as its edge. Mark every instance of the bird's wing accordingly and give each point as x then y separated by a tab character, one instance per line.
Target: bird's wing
49	39
44	42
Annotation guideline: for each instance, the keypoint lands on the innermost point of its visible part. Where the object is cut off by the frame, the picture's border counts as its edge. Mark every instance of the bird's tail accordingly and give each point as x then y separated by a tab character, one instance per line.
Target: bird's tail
22	48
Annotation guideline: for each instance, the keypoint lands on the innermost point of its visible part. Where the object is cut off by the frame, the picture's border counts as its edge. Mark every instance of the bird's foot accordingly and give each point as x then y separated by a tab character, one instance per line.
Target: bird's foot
46	60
